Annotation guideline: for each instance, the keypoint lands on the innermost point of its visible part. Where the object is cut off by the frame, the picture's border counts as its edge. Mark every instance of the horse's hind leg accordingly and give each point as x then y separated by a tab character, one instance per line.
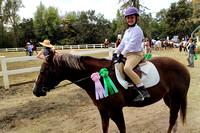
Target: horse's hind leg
180	48
117	116
105	120
174	106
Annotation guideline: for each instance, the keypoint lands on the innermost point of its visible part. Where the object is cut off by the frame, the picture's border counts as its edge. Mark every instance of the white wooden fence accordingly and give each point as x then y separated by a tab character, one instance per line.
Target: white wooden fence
6	72
82	46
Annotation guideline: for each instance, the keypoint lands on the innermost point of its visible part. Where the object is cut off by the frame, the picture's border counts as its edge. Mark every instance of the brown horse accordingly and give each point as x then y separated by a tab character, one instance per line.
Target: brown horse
33	49
169	44
118	42
78	70
106	44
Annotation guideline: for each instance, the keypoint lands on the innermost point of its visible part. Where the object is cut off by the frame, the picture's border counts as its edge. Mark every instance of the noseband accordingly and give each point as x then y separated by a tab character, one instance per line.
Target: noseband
43	87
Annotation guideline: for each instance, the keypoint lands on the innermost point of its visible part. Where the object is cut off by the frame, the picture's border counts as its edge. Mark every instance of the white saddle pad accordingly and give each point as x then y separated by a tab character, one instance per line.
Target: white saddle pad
150	75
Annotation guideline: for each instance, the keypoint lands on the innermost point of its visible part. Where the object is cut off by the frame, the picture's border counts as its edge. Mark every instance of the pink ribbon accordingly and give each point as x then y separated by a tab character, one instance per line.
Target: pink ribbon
99	90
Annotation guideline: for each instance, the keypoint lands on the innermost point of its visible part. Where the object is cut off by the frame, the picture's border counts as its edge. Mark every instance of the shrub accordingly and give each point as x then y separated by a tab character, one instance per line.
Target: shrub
198	49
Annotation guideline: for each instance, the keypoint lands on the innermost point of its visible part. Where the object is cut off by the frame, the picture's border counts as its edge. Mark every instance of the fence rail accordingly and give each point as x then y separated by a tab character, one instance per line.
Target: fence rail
6	72
83	46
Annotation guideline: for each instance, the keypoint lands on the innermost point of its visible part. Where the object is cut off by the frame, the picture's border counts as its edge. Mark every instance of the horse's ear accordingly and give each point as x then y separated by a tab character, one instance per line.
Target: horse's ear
50	57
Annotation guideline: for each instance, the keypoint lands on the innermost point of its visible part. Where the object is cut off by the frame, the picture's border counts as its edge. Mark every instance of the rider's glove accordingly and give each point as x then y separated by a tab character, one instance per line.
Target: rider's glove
114	56
119	59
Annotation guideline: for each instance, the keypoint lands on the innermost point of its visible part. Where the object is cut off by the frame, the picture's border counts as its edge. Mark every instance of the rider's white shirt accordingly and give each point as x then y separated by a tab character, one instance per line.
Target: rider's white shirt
131	41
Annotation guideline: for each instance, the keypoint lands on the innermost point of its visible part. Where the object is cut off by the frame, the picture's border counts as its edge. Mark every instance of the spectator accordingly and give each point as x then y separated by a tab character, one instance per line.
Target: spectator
192	52
30	49
157	38
46	50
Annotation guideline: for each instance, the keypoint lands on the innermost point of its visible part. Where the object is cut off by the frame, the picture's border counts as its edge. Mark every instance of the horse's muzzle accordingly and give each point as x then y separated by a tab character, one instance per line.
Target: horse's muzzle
40	93
37	91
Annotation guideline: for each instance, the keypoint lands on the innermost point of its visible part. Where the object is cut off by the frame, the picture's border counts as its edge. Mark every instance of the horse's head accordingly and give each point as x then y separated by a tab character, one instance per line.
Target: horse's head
47	79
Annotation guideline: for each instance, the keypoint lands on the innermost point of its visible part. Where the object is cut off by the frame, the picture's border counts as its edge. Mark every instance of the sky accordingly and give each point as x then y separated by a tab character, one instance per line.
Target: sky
106	7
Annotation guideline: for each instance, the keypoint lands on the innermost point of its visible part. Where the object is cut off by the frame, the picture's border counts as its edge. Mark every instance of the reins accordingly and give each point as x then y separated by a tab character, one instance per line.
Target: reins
108	67
44	87
74	82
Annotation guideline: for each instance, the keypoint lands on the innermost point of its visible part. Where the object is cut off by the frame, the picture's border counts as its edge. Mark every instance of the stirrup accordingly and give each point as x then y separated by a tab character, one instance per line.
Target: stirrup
140	94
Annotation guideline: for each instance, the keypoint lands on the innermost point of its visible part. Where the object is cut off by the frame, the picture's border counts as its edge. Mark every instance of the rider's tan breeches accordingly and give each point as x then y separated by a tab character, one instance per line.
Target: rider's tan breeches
132	60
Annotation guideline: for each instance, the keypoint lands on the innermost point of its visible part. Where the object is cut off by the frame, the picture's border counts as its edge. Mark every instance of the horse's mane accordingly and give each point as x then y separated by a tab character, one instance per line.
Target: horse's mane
68	60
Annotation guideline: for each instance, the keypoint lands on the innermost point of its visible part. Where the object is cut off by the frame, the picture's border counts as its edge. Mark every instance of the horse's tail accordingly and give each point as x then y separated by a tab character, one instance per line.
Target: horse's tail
183	110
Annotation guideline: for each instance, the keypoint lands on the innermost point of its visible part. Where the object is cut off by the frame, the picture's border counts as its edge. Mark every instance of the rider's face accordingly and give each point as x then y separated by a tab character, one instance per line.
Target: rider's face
131	19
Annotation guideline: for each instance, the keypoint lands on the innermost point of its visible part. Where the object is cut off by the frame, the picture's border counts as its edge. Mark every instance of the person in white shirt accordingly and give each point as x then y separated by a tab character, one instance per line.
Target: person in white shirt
119	36
167	39
131	48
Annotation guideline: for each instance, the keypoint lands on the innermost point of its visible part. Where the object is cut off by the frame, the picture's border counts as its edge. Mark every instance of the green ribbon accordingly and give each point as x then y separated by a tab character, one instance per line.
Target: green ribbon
108	84
196	57
148	56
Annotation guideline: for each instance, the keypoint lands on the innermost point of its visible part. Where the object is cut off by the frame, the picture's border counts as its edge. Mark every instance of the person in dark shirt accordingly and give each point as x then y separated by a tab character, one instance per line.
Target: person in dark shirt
192	52
46	50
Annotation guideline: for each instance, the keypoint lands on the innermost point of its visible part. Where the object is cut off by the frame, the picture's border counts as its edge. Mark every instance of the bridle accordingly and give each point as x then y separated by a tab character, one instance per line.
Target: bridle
44	88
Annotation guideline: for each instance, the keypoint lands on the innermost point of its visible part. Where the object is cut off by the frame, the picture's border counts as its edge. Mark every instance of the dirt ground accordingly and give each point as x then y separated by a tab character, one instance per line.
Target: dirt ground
70	110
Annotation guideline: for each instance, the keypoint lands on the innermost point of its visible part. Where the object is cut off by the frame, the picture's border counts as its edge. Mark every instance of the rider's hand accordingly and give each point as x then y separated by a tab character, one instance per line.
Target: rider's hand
114	56
119	59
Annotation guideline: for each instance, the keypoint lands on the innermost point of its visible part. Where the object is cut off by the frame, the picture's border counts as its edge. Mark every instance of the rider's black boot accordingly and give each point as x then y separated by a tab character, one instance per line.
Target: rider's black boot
142	93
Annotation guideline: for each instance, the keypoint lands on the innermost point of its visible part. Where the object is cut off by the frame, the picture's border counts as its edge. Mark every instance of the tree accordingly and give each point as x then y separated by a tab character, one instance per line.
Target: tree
26	31
121	22
196	8
68	33
39	23
52	24
176	12
72	16
144	23
11	17
1	26
47	23
161	15
91	28
130	3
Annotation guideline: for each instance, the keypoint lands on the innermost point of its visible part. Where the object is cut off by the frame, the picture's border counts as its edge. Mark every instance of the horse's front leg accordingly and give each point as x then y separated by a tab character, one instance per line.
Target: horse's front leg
105	120
117	116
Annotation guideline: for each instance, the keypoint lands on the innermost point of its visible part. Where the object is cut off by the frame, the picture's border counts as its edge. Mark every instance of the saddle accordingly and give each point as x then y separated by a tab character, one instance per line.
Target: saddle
146	70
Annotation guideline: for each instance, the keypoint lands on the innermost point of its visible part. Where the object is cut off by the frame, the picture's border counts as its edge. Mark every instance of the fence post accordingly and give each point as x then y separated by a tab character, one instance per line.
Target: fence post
110	52
62	48
4	72
145	49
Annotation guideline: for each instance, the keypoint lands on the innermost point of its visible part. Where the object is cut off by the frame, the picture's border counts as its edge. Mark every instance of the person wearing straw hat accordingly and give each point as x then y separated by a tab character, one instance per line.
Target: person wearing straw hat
47	49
